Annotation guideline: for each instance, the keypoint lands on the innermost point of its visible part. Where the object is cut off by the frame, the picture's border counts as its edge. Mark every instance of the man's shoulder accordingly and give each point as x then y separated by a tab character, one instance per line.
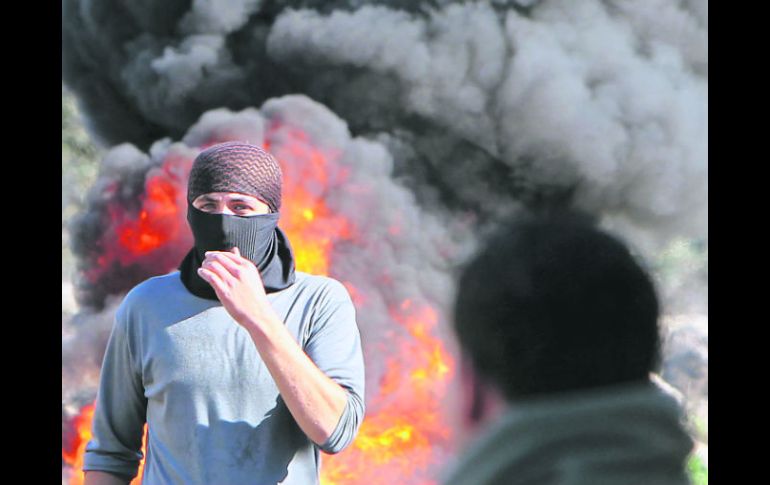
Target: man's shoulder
324	287
156	288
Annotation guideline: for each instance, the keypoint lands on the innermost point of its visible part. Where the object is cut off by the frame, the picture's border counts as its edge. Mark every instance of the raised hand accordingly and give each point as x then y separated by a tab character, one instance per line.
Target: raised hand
238	286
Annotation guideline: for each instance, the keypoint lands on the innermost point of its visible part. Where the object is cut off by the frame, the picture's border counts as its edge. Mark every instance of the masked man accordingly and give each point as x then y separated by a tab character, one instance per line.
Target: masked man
242	367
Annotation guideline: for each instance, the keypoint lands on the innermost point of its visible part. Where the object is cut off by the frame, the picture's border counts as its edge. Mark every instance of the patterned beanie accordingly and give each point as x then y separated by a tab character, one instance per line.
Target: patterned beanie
236	167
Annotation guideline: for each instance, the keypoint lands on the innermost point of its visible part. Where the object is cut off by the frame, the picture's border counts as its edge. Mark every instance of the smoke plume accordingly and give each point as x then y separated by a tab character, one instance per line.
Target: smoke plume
486	106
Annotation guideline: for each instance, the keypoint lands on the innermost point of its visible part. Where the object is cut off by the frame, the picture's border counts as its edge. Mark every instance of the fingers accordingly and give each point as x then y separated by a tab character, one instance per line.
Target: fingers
231	267
213	279
235	256
218	269
217	259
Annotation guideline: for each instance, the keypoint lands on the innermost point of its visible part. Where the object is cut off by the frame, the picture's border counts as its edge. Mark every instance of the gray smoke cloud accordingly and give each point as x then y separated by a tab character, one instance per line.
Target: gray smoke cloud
595	105
84	338
600	105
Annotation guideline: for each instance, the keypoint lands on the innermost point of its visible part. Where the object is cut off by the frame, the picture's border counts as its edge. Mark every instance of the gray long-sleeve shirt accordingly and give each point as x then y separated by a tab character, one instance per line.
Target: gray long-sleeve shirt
213	410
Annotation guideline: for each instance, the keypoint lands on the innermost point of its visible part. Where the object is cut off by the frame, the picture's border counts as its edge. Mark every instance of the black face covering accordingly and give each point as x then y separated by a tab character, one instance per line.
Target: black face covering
258	238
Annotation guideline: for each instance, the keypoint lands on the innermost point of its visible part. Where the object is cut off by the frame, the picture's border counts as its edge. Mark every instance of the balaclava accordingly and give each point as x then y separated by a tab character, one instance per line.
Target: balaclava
246	169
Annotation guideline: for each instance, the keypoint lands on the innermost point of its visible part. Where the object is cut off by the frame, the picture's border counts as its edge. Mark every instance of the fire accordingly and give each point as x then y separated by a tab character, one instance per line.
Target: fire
73	454
151	235
150	231
404	428
312	228
403	424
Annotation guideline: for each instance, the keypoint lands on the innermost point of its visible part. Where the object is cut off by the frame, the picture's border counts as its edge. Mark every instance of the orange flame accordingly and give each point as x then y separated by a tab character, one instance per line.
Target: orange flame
152	235
74	453
151	230
311	226
398	440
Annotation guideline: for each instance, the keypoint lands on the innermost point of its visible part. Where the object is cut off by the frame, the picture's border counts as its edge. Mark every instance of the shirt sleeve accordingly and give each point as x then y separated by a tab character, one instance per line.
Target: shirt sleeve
121	406
334	344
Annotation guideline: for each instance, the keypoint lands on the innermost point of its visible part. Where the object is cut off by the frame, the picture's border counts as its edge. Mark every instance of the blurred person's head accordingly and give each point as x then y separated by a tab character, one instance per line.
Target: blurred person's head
552	305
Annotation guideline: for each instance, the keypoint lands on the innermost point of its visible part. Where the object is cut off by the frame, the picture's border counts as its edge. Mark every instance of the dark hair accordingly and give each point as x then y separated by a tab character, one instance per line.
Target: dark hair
553	304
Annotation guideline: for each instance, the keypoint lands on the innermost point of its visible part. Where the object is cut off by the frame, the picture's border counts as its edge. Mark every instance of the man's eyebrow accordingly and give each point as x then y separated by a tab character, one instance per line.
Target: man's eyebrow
210	198
241	199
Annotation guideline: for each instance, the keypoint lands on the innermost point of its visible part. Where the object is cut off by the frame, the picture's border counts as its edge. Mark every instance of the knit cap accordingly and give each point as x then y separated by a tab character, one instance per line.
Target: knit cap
236	167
